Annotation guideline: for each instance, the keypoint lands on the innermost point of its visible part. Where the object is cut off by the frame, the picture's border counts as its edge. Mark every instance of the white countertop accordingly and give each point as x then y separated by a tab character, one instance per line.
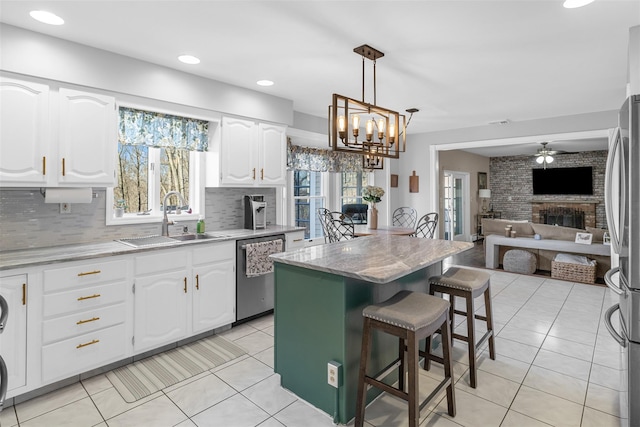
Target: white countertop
377	259
54	254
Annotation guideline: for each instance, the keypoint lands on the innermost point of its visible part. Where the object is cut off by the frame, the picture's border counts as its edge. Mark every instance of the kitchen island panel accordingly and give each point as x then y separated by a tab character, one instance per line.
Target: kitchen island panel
318	318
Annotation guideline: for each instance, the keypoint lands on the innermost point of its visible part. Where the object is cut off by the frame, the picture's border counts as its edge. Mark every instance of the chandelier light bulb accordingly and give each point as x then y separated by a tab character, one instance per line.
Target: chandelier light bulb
392	133
369	128
356	125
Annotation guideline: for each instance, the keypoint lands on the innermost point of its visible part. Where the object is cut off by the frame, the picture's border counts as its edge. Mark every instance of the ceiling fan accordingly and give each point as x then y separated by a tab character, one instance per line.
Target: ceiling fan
545	155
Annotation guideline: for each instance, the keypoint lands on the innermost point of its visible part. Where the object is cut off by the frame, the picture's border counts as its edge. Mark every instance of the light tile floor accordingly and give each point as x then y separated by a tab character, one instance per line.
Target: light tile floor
556	365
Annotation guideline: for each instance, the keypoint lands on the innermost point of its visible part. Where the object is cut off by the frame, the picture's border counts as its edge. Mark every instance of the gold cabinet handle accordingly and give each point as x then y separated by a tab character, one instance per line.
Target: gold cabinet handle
298	240
262	174
80	322
185	285
197	282
24	294
254	173
63	167
89	272
88	343
44	165
89	297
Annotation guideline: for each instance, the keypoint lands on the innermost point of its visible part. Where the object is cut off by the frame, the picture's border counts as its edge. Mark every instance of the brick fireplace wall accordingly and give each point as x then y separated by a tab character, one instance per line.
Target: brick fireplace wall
512	190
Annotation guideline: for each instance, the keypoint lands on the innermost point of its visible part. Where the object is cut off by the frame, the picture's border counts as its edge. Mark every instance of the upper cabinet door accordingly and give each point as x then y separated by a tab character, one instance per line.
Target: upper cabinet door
238	152
24	134
273	154
87	139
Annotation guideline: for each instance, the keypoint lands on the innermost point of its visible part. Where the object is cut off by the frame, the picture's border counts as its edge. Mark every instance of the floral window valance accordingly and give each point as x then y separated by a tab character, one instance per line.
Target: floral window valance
138	127
321	160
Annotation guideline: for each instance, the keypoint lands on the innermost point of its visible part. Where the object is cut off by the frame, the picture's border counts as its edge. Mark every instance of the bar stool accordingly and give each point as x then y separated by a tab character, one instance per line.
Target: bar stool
467	284
410	316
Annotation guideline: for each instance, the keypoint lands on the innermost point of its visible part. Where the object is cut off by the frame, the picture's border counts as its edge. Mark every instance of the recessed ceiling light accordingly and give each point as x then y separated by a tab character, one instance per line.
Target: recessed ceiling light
46	17
264	83
189	59
572	4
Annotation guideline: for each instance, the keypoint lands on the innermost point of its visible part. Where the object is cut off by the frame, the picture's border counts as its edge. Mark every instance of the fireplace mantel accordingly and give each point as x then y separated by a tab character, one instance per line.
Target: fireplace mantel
559	201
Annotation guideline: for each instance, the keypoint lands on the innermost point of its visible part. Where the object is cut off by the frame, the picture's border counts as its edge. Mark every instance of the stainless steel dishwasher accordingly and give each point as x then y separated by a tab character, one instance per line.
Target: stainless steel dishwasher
254	295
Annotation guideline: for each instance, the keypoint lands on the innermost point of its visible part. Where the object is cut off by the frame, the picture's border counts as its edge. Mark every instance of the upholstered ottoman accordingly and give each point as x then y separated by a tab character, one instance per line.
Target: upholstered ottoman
519	261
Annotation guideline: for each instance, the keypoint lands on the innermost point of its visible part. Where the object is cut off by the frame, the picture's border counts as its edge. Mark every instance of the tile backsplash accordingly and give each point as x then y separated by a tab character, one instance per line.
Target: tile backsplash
27	222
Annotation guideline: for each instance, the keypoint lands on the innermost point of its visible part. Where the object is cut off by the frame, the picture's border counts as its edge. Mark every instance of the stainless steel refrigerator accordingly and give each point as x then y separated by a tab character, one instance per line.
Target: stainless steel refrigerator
622	194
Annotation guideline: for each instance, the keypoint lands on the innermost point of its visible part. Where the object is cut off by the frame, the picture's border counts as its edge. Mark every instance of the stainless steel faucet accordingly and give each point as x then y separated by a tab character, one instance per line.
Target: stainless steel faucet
165	220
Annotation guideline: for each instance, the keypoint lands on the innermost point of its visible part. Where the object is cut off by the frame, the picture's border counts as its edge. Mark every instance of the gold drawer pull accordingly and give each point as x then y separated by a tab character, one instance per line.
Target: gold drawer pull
80	322
298	240
89	273
89	297
254	173
88	343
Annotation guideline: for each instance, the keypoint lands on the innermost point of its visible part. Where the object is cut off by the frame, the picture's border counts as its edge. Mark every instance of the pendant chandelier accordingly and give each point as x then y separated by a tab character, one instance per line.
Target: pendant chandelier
358	126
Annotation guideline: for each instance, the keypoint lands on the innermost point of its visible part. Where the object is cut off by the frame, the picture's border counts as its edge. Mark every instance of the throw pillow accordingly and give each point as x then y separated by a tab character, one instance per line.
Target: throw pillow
598	234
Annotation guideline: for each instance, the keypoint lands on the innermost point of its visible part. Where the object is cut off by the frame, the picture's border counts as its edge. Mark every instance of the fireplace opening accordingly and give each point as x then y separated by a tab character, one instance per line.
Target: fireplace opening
565	217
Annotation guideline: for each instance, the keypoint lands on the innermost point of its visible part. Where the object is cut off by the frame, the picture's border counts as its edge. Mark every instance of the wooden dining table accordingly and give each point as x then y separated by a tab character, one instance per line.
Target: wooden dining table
382	230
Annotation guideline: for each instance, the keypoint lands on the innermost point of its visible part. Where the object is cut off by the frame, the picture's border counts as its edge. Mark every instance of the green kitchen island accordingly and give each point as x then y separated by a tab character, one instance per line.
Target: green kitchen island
320	292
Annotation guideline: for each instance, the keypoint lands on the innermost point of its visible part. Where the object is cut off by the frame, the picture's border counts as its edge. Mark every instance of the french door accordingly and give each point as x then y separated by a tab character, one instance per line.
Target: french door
456	207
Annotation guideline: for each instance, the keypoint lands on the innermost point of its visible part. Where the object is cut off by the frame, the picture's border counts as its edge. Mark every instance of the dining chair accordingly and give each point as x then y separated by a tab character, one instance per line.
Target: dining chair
341	227
404	217
426	227
335	225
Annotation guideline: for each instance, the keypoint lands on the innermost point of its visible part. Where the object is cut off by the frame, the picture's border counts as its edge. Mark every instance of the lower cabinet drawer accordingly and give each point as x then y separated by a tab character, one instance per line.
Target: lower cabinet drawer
82	323
85	352
83	299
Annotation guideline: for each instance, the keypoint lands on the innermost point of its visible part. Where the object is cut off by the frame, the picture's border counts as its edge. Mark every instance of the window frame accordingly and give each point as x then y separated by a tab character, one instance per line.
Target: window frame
197	180
324	196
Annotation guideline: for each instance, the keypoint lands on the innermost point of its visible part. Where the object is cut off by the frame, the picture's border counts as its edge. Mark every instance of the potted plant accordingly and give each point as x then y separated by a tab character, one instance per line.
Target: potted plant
119	208
373	195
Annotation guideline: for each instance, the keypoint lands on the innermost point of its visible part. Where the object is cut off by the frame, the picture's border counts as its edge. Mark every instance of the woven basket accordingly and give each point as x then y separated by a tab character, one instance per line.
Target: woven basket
573	272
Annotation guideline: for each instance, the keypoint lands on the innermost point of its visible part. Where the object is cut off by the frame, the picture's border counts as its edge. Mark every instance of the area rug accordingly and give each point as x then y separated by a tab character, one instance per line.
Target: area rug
146	376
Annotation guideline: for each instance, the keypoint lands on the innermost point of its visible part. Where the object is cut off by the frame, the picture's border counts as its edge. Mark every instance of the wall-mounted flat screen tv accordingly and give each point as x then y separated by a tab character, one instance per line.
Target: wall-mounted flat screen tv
578	180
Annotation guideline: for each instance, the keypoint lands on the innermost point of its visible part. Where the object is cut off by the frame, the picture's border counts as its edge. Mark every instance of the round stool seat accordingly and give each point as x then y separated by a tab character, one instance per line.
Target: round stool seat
474	281
519	261
408	310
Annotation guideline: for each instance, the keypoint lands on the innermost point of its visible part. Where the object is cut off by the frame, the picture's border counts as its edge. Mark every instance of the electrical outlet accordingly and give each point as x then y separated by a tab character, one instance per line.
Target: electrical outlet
333	373
65	207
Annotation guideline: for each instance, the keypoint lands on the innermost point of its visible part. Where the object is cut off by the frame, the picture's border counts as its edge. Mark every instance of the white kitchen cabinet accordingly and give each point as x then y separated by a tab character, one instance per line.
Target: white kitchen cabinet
272	159
182	292
294	240
84	323
161	296
252	154
24	134
13	341
87	139
56	138
213	295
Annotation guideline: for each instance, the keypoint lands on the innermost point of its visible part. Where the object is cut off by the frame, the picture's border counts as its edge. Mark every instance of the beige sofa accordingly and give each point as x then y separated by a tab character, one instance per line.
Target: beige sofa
547	232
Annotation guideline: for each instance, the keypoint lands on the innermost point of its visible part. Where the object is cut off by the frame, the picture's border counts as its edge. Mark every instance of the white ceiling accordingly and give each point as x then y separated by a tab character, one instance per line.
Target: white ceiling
461	63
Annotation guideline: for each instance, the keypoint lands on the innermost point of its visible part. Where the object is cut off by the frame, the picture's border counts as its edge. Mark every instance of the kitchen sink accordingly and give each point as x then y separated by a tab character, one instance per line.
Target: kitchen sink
151	241
202	236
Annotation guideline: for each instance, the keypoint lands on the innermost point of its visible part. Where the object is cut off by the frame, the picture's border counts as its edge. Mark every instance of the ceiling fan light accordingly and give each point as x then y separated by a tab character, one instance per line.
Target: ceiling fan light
540	159
548	159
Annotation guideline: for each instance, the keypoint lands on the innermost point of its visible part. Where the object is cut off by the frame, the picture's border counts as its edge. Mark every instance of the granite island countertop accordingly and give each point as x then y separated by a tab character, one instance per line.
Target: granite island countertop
54	254
377	259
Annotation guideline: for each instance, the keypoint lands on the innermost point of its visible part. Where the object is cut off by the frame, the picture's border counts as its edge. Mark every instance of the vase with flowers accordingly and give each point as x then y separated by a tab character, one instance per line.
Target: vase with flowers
373	195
